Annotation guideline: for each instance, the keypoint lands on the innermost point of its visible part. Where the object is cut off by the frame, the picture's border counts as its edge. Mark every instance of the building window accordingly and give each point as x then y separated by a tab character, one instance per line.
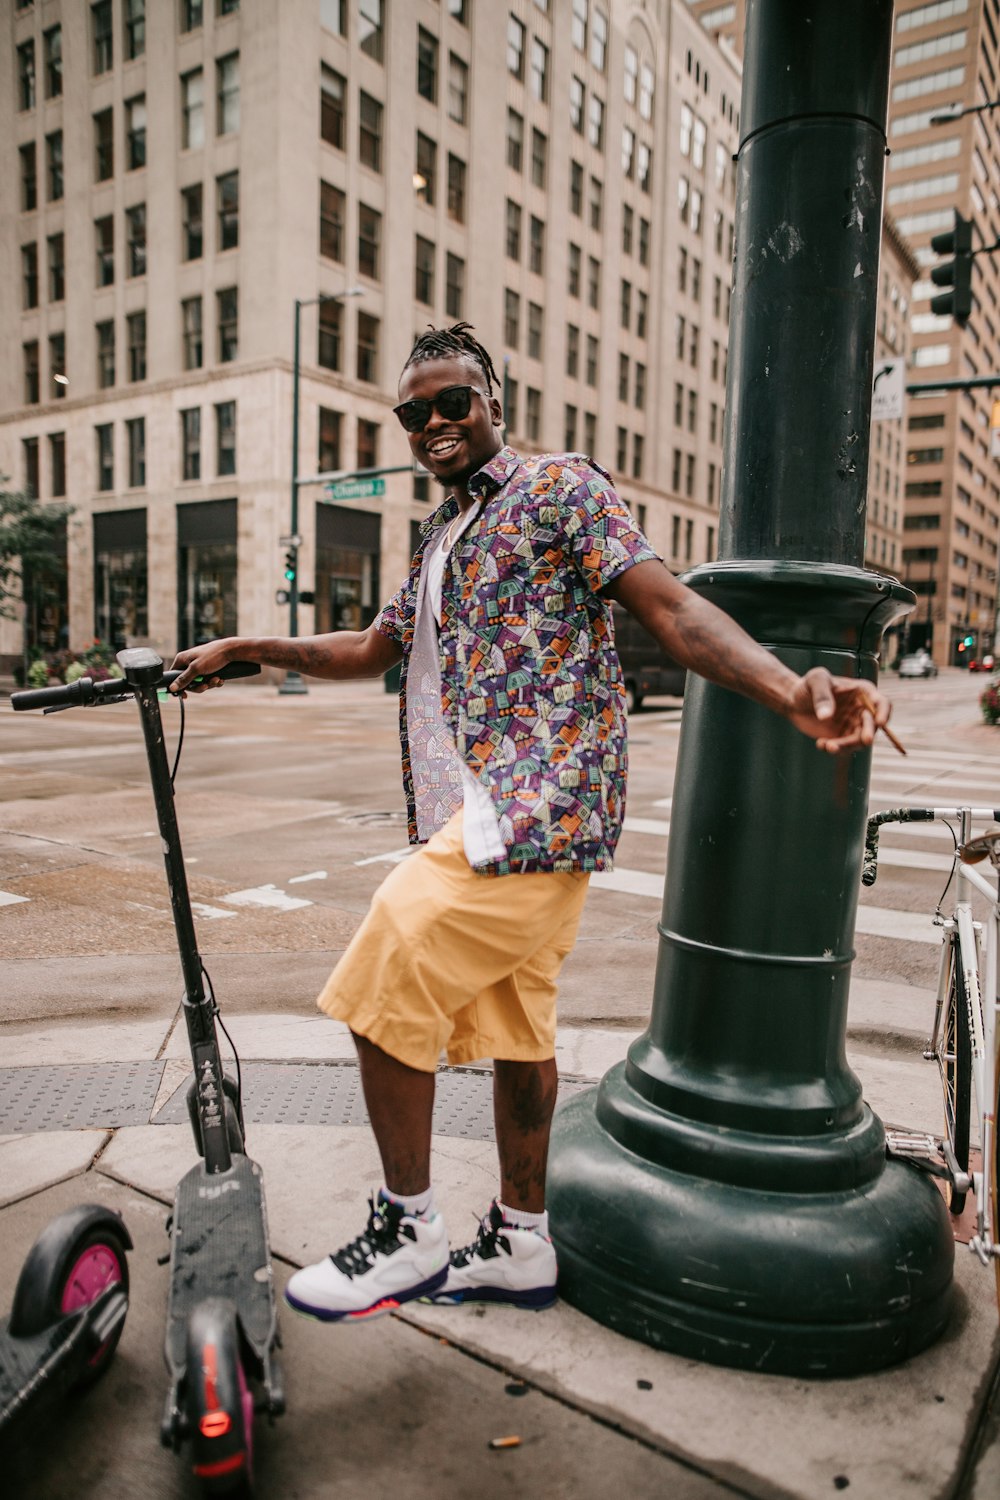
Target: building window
226	7
104	145
427	65
135	328
425	179
645	167
333	16
225	438
370	132
625	304
640	387
536	246
192	14
510	413
598	40
533	414
105	456
515	50
227	311
367	457
53	62
135	29
454	286
29	353
593	282
328	457
191	443
511	318
57	463
628	152
623	377
596	202
456	189
29	177
595	118
57	267
578	25
572	351
227	94
569	429
136	431
513	230
646	92
576	189
637	446
515	140
539	158
573	277
331	319
371	28
332	107
192	110
227	200
534	331
105	355
593	355
641	314
577	100
135	132
459	10
191	222
368	331
692	410
458	89
26	75
100	30
539	70
332	206
135	240
57	366
423	283
191	333
29	275
369	241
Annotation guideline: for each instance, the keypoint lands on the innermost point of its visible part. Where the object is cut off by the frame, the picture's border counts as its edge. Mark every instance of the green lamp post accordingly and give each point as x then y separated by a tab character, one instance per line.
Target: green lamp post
725	1193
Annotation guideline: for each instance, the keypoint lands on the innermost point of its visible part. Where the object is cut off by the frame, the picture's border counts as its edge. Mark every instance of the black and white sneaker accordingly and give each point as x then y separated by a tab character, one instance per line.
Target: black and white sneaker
397	1258
503	1264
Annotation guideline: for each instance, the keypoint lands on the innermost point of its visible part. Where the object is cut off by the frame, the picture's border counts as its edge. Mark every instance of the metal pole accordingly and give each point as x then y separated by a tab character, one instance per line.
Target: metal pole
725	1193
293	682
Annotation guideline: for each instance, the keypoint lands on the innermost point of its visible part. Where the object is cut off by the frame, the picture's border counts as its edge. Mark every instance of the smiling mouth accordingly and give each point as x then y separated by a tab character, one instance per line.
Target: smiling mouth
443	447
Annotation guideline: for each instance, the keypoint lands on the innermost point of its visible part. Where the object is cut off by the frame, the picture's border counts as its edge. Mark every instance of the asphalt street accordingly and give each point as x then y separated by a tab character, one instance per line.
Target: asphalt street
291	814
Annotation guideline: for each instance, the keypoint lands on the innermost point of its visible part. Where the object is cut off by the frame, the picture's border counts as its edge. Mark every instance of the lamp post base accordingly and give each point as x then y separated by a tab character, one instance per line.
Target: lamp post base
293	684
795	1283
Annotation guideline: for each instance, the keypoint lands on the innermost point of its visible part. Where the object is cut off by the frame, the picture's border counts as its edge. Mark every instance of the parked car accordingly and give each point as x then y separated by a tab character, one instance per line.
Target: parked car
646	669
918	664
981	664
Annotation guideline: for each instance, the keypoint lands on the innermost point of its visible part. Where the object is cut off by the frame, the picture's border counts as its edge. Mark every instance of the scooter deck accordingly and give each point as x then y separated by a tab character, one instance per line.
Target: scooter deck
219	1248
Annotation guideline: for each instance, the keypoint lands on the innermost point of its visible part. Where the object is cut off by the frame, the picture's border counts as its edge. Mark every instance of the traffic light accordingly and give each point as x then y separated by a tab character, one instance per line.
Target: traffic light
970	640
291	564
957	273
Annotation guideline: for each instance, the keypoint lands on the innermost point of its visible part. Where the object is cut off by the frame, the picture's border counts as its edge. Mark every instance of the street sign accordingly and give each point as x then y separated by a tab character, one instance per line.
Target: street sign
888	390
355	489
294	540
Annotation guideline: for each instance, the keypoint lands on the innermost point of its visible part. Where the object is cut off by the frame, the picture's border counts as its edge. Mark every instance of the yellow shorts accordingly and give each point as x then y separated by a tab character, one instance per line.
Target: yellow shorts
450	960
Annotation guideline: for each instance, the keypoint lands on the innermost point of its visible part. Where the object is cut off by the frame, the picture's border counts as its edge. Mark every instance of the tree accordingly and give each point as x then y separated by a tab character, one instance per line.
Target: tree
29	544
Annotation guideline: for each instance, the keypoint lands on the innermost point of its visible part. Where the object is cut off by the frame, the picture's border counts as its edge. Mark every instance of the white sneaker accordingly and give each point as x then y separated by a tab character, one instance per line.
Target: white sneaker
503	1264
396	1259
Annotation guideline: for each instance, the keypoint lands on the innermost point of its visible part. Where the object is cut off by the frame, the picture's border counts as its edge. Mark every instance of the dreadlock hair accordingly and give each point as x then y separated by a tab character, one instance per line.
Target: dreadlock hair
445	343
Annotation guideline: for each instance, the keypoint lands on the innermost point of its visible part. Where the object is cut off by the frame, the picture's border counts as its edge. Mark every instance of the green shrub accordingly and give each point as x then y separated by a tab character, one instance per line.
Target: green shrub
38	673
989	702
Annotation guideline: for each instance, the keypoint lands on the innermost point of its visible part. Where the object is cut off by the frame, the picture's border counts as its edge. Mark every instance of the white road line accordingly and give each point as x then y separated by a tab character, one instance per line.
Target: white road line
266	895
7	898
873	921
391	857
313	875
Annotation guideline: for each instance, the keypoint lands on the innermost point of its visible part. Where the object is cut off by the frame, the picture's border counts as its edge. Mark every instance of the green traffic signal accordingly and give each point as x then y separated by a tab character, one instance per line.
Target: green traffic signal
290	565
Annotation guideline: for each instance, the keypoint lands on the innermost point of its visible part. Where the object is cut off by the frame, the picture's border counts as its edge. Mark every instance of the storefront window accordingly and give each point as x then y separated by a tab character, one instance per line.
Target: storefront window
120	578
206	572
347	568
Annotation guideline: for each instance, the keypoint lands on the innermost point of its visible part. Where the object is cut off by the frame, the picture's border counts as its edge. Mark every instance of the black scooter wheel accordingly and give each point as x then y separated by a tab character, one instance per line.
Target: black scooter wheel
219	1402
68	1269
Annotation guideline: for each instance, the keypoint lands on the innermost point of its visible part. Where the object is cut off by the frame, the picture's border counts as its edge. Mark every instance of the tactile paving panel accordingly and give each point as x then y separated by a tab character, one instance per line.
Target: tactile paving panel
330	1094
77	1096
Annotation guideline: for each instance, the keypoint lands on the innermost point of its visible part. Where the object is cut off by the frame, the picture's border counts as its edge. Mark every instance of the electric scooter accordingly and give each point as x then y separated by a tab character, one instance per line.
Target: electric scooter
67	1315
222	1327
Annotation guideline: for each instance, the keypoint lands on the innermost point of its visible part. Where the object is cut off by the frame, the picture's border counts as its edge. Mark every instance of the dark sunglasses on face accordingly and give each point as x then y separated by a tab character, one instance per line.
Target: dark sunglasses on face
453	403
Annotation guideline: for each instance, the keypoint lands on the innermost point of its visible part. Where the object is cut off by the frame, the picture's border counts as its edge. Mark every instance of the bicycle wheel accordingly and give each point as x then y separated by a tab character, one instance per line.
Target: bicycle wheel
955	1061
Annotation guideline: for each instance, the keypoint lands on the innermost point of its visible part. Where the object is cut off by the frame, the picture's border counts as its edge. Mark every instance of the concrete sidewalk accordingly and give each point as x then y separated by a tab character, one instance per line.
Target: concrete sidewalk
411	1402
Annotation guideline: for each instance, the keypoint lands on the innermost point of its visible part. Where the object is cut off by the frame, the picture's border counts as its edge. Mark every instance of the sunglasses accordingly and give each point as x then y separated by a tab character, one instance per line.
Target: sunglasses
453	403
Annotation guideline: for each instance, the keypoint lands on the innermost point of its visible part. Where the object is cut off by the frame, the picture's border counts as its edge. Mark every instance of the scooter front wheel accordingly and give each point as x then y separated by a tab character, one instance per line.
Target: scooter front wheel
219	1402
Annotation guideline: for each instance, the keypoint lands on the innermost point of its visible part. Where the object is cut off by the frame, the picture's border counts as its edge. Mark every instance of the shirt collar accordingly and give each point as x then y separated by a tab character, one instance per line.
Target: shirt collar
486	481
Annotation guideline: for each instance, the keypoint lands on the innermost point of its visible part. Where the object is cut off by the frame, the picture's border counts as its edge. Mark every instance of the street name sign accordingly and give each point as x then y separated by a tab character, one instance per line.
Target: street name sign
355	489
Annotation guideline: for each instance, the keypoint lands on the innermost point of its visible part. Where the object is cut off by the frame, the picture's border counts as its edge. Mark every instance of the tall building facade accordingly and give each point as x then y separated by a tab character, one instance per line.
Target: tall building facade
182	172
945	156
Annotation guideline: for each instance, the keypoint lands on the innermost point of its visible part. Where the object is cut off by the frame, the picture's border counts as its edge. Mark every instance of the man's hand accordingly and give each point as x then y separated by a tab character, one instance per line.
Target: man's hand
841	714
203	661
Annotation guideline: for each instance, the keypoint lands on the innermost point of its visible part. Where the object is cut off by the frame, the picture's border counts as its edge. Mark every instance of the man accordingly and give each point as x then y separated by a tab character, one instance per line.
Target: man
514	760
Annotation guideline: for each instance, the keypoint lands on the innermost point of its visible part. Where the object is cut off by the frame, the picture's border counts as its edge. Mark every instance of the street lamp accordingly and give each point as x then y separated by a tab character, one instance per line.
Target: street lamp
952	112
293	682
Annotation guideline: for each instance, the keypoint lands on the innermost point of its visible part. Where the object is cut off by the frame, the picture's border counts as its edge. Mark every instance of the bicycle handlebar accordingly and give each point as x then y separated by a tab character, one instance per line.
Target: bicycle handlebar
907	815
85	691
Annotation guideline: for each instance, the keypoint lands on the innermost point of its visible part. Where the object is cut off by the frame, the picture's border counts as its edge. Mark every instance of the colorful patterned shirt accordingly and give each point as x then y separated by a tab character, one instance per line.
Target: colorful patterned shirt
531	687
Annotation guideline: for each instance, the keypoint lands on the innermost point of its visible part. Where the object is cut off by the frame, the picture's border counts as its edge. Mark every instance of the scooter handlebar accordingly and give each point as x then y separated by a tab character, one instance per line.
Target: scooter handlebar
113	690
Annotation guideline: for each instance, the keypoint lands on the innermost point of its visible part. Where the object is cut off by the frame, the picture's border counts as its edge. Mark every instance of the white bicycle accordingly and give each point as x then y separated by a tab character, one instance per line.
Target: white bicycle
965	1040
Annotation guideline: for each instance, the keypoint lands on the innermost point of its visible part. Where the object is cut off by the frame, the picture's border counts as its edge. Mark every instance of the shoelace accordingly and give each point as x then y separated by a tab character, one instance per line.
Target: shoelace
380	1236
484	1245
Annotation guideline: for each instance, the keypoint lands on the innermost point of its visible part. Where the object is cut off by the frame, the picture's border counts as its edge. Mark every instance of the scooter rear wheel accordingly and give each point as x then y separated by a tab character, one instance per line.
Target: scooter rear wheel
95	1262
219	1402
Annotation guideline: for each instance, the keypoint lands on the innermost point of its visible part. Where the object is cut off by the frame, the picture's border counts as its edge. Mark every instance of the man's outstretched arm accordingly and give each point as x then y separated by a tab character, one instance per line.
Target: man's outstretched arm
340	655
839	713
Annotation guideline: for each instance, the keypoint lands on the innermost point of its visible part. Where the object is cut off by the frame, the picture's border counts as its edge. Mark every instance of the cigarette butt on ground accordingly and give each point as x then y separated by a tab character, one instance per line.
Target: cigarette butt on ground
892	739
505	1442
